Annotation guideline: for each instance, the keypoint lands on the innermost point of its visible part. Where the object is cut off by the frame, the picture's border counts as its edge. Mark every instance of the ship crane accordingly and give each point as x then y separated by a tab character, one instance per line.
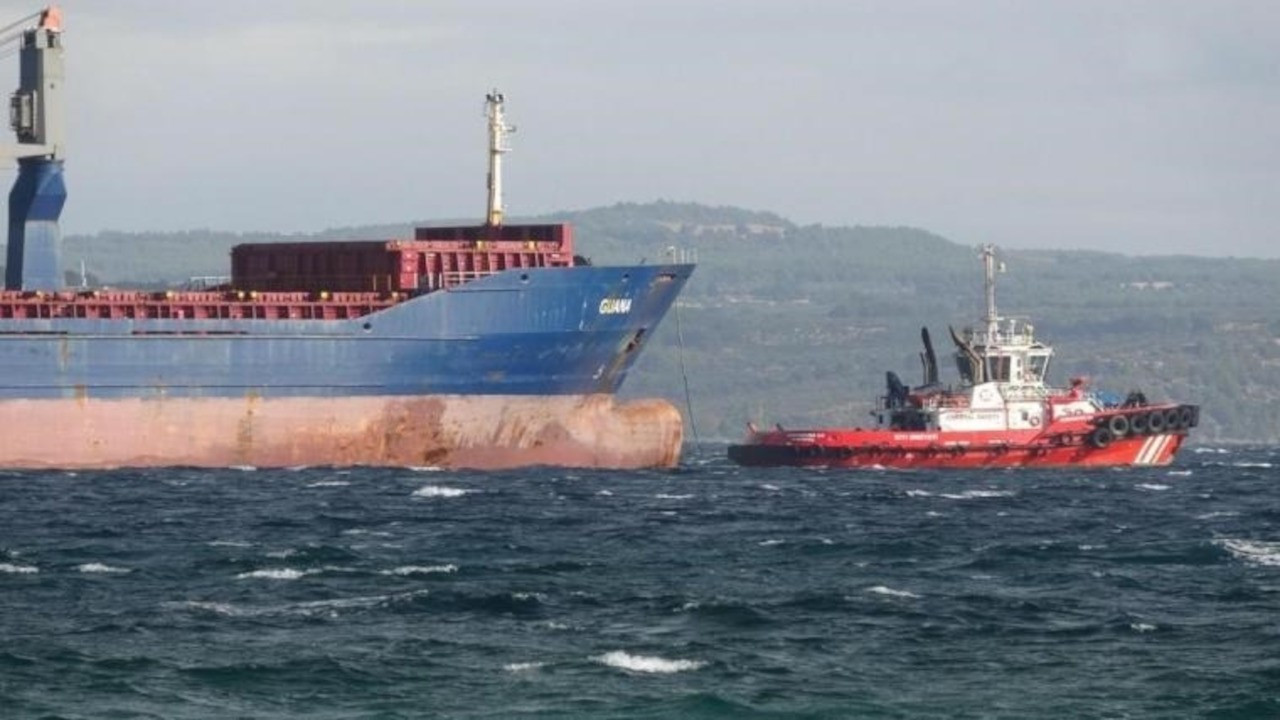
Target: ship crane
498	131
35	114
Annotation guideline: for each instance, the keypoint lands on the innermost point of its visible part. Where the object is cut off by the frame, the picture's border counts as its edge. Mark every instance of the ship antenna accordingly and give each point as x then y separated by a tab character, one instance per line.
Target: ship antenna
498	131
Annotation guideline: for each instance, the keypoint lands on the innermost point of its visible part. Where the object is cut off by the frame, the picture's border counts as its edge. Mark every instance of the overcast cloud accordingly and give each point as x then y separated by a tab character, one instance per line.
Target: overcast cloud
1141	127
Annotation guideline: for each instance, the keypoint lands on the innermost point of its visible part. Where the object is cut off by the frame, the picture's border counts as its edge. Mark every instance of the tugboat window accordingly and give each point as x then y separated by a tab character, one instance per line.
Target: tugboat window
1036	367
998	368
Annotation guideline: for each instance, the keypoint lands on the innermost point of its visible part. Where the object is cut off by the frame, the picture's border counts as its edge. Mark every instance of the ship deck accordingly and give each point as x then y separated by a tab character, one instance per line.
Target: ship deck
205	305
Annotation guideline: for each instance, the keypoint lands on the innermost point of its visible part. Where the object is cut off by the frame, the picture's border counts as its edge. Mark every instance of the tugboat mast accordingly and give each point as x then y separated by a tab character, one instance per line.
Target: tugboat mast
498	131
989	268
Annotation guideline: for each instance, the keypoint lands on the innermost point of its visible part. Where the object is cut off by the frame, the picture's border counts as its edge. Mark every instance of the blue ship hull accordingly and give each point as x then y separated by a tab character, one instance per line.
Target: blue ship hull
515	368
535	332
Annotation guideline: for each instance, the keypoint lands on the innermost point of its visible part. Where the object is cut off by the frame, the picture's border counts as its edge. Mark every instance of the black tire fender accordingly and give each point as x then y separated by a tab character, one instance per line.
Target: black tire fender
1101	437
1118	425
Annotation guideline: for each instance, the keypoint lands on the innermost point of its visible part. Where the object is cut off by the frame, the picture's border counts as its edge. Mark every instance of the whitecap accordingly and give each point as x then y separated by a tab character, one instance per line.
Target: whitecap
882	590
215	607
308	609
604	492
975	494
1212	451
919	493
244	468
1179	473
18	569
770	542
439	491
364	531
1142	627
229	543
768	486
281	554
523	666
664	496
1252	464
425	468
1217	514
647	664
421	570
329	483
1155	487
100	568
1254	551
275	574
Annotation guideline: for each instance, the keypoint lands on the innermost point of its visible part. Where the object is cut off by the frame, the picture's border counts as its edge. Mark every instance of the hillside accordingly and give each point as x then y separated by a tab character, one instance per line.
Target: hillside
797	324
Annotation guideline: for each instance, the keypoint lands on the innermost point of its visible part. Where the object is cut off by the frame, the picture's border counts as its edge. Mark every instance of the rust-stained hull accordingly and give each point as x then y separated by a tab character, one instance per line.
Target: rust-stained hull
458	431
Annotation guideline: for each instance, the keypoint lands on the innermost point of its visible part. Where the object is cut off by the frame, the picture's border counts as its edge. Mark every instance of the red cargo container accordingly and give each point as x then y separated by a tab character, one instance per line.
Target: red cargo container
437	257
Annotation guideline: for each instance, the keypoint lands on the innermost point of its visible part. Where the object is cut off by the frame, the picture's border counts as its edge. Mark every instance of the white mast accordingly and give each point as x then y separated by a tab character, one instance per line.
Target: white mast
498	131
989	271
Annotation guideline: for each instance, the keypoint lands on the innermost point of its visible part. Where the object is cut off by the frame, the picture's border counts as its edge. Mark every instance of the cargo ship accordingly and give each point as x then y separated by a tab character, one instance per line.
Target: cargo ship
485	346
1001	414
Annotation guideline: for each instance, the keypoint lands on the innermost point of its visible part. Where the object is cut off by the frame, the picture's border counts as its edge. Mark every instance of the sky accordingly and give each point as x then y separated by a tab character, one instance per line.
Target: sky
1143	127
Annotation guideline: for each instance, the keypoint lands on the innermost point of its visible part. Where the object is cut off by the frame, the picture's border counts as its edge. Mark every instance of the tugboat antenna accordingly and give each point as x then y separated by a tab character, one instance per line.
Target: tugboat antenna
498	131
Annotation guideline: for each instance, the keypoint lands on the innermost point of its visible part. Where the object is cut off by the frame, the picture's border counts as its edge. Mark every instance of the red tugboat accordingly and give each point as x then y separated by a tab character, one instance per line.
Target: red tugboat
1001	415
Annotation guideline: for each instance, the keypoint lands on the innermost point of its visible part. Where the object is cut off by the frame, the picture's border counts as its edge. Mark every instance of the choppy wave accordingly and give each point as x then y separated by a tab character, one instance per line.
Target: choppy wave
421	570
1254	551
308	608
977	494
883	590
646	663
523	666
1217	515
786	592
101	568
440	491
276	574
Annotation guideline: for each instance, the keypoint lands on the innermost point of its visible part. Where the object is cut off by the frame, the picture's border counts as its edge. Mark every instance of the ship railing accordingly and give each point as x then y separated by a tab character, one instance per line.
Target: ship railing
951	401
1024	393
453	278
201	283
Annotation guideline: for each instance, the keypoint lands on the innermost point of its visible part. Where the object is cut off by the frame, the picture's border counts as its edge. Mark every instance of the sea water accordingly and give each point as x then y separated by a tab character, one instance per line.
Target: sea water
708	591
